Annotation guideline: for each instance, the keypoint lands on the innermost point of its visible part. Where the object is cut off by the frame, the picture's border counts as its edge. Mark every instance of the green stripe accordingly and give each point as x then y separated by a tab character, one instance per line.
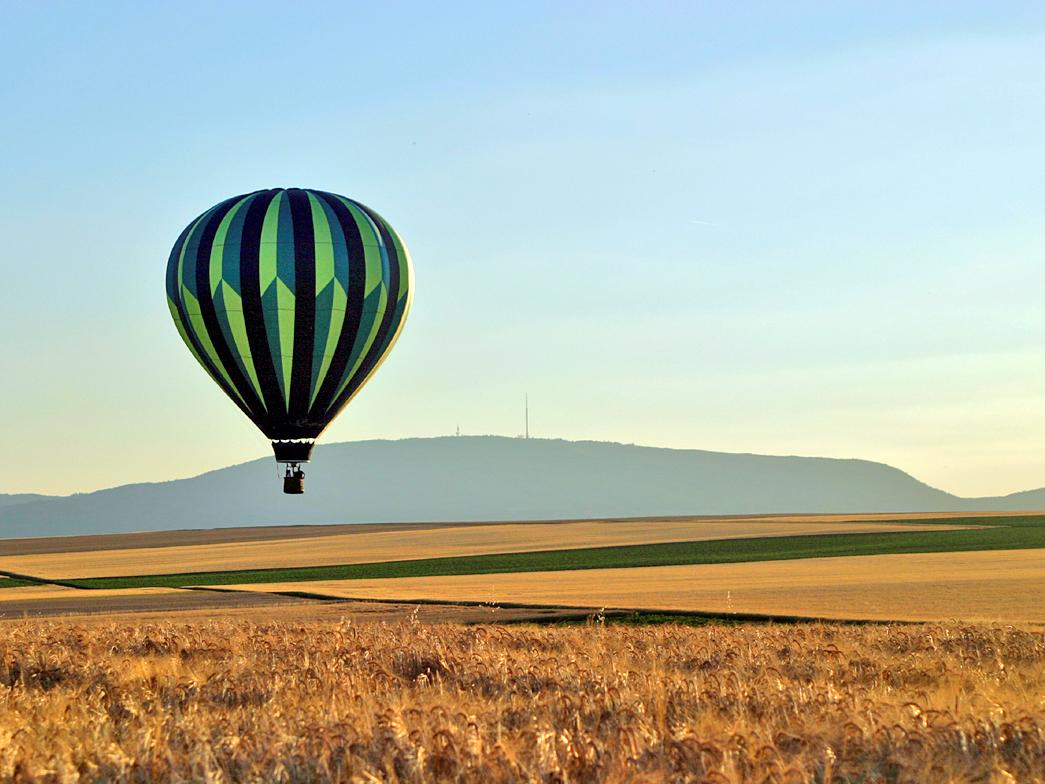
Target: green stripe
237	325
286	301
268	286
267	256
324	242
199	329
334	315
232	299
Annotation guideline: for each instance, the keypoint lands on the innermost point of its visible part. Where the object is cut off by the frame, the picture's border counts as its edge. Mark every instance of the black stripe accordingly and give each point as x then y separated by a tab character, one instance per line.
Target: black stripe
353	308
211	369
375	352
210	315
253	317
173	283
304	306
190	334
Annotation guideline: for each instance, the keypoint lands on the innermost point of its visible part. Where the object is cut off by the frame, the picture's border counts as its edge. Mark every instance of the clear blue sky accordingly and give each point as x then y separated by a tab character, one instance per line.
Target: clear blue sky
790	228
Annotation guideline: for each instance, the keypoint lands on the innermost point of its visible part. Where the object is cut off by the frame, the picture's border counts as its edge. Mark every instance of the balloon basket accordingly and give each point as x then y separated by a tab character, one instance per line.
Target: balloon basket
294	480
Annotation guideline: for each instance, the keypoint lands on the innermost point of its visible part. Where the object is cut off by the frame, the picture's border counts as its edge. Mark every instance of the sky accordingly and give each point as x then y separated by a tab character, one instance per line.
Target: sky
783	228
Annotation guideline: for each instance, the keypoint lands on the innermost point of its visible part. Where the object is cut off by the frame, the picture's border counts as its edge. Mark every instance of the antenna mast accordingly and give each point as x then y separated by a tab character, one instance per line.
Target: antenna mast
527	415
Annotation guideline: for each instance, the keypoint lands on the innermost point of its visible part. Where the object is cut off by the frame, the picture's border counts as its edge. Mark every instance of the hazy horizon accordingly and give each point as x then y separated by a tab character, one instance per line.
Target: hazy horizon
266	454
811	230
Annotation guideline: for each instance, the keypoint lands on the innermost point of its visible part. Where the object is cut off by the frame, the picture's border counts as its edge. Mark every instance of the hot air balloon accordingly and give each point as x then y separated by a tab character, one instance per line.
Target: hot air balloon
290	299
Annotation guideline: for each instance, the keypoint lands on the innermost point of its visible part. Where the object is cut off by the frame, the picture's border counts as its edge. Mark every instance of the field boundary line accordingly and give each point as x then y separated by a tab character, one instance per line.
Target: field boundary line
43	580
582	610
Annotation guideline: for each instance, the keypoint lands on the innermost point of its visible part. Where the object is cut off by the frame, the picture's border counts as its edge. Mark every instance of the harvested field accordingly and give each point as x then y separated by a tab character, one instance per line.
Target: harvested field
338	702
263	608
47	600
44	591
149	539
152	605
401	543
1000	585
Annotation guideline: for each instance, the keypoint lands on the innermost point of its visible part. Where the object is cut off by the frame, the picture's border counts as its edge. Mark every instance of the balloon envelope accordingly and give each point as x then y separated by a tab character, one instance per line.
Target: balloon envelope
289	299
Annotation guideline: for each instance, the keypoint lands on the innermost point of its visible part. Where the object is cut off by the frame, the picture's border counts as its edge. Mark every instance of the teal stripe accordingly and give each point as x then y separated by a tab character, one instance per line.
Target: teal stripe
285	245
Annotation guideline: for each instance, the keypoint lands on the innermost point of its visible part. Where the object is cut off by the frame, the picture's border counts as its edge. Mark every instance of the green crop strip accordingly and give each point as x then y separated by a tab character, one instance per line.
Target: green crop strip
9	582
1004	533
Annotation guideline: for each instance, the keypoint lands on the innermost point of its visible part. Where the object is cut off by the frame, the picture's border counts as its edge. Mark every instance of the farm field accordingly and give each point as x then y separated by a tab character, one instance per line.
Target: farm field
909	568
46	591
444	668
51	600
105	607
958	535
333	701
996	586
35	545
210	536
401	542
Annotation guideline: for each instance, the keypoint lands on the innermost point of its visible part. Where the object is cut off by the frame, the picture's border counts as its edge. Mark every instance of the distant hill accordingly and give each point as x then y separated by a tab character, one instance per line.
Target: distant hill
19	498
495	478
1025	500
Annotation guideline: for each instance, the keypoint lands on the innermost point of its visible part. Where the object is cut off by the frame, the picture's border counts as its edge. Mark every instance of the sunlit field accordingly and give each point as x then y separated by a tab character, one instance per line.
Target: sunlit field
372	544
319	701
1003	586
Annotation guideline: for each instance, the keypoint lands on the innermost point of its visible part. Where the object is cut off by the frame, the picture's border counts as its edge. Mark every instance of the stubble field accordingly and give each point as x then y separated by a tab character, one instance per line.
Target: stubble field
332	701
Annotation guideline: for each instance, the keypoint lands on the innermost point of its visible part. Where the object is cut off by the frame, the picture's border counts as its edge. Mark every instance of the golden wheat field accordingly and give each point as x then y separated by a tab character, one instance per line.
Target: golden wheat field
333	701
